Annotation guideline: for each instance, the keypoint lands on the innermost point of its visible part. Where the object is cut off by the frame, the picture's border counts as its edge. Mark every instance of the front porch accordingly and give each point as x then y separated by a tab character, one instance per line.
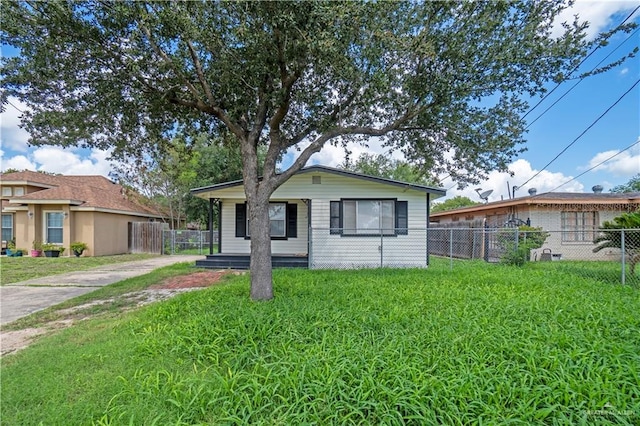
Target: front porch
241	261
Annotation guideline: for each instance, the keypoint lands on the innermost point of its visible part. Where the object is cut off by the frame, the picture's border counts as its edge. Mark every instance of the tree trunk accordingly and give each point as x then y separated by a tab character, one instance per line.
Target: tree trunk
259	228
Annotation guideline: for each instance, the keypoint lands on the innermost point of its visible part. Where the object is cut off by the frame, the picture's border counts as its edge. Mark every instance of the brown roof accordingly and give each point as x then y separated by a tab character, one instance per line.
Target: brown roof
82	191
552	198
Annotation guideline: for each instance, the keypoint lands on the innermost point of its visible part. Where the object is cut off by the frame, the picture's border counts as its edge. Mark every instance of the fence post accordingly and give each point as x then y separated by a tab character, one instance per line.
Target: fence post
486	242
173	241
381	248
451	249
623	273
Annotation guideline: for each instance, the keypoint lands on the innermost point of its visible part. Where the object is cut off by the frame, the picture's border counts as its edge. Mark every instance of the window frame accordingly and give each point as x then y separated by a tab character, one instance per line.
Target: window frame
7	191
575	229
290	221
46	227
283	220
400	218
2	227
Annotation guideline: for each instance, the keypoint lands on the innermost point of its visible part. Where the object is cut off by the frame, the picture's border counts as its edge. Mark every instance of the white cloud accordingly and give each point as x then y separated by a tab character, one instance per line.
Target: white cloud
60	160
625	164
496	181
624	71
598	13
11	135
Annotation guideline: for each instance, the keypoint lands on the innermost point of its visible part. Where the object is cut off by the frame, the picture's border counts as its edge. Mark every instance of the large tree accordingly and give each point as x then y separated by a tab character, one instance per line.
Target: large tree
440	81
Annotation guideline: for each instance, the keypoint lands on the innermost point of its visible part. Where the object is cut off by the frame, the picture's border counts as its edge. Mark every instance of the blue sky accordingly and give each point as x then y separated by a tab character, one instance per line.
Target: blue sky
550	134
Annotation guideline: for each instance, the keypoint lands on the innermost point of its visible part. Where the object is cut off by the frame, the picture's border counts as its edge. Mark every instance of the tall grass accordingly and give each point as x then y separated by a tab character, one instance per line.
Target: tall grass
477	345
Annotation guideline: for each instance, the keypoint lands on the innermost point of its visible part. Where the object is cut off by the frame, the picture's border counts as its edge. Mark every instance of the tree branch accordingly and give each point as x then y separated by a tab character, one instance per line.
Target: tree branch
201	78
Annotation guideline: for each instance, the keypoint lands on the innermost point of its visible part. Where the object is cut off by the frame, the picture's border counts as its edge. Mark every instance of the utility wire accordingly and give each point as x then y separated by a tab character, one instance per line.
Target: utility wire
577	66
17	109
598	165
582	134
581	78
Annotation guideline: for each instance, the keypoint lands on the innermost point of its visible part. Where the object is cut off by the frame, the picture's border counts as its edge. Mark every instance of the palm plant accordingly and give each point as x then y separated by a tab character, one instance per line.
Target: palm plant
610	236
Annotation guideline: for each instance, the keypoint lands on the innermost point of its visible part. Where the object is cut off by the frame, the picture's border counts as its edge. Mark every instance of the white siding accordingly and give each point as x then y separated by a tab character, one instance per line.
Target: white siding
233	245
336	250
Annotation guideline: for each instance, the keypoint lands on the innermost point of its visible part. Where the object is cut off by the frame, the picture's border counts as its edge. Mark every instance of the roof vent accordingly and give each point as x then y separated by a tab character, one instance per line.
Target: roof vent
597	189
533	191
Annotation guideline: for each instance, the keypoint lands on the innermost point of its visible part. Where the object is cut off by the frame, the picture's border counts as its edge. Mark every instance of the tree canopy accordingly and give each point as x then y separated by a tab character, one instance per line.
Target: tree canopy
456	202
632	186
390	168
440	81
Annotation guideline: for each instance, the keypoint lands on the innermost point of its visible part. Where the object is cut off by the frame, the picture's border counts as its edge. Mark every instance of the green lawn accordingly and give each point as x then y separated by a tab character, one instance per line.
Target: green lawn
482	344
14	269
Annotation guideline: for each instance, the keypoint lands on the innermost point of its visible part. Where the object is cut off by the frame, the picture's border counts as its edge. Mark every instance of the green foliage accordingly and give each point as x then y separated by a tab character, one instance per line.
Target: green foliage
364	347
453	203
632	186
517	244
78	246
610	236
52	247
387	167
262	69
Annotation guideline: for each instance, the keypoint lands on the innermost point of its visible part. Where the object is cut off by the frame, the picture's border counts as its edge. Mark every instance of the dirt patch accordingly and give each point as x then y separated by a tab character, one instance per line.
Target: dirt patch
13	341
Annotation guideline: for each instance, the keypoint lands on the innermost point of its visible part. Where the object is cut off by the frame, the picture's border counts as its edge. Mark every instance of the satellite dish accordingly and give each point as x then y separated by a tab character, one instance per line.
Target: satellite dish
484	195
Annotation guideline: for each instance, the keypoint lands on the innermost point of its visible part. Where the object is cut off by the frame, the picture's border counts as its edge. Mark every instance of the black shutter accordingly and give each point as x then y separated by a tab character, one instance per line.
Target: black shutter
402	218
241	220
335	217
292	220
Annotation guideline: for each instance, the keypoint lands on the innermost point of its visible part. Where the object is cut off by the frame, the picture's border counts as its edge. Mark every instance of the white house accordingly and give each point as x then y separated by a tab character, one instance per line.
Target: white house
328	218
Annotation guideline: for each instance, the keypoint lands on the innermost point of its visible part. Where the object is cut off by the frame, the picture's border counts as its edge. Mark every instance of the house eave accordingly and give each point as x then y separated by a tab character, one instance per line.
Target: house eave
47	202
541	200
206	192
115	211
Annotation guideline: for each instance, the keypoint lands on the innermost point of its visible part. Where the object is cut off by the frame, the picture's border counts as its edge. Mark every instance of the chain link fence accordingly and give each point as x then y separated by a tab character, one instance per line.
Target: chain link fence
573	250
188	242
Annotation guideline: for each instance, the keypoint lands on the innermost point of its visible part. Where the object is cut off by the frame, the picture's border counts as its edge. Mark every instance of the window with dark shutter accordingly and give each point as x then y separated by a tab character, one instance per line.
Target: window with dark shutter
368	217
292	220
402	218
335	217
283	219
241	220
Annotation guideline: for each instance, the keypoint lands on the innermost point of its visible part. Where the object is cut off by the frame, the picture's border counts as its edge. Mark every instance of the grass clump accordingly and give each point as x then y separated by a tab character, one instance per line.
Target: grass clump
477	345
15	269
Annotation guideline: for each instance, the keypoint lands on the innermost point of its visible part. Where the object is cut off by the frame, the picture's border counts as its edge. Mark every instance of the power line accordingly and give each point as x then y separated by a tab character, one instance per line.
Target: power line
582	78
17	109
582	134
577	66
598	165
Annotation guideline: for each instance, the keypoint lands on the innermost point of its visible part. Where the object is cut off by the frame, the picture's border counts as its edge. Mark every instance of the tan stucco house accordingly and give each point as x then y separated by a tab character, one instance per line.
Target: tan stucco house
572	219
62	209
324	217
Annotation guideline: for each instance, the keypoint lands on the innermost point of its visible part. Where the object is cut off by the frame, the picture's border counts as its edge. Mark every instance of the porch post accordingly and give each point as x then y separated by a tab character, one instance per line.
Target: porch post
427	228
211	201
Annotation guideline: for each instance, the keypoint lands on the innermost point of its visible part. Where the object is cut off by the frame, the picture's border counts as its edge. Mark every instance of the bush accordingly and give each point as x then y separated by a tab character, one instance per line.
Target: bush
517	250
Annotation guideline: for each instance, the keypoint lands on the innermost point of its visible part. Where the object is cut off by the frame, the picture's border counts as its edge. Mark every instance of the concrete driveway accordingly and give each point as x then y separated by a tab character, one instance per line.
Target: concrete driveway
23	298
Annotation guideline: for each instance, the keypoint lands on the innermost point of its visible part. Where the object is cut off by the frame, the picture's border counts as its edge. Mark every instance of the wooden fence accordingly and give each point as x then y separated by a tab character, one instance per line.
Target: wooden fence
146	237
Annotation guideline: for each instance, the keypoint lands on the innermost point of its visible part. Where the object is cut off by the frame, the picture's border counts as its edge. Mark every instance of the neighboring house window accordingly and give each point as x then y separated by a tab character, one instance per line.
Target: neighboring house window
6	191
18	192
368	217
53	227
579	226
283	218
7	227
